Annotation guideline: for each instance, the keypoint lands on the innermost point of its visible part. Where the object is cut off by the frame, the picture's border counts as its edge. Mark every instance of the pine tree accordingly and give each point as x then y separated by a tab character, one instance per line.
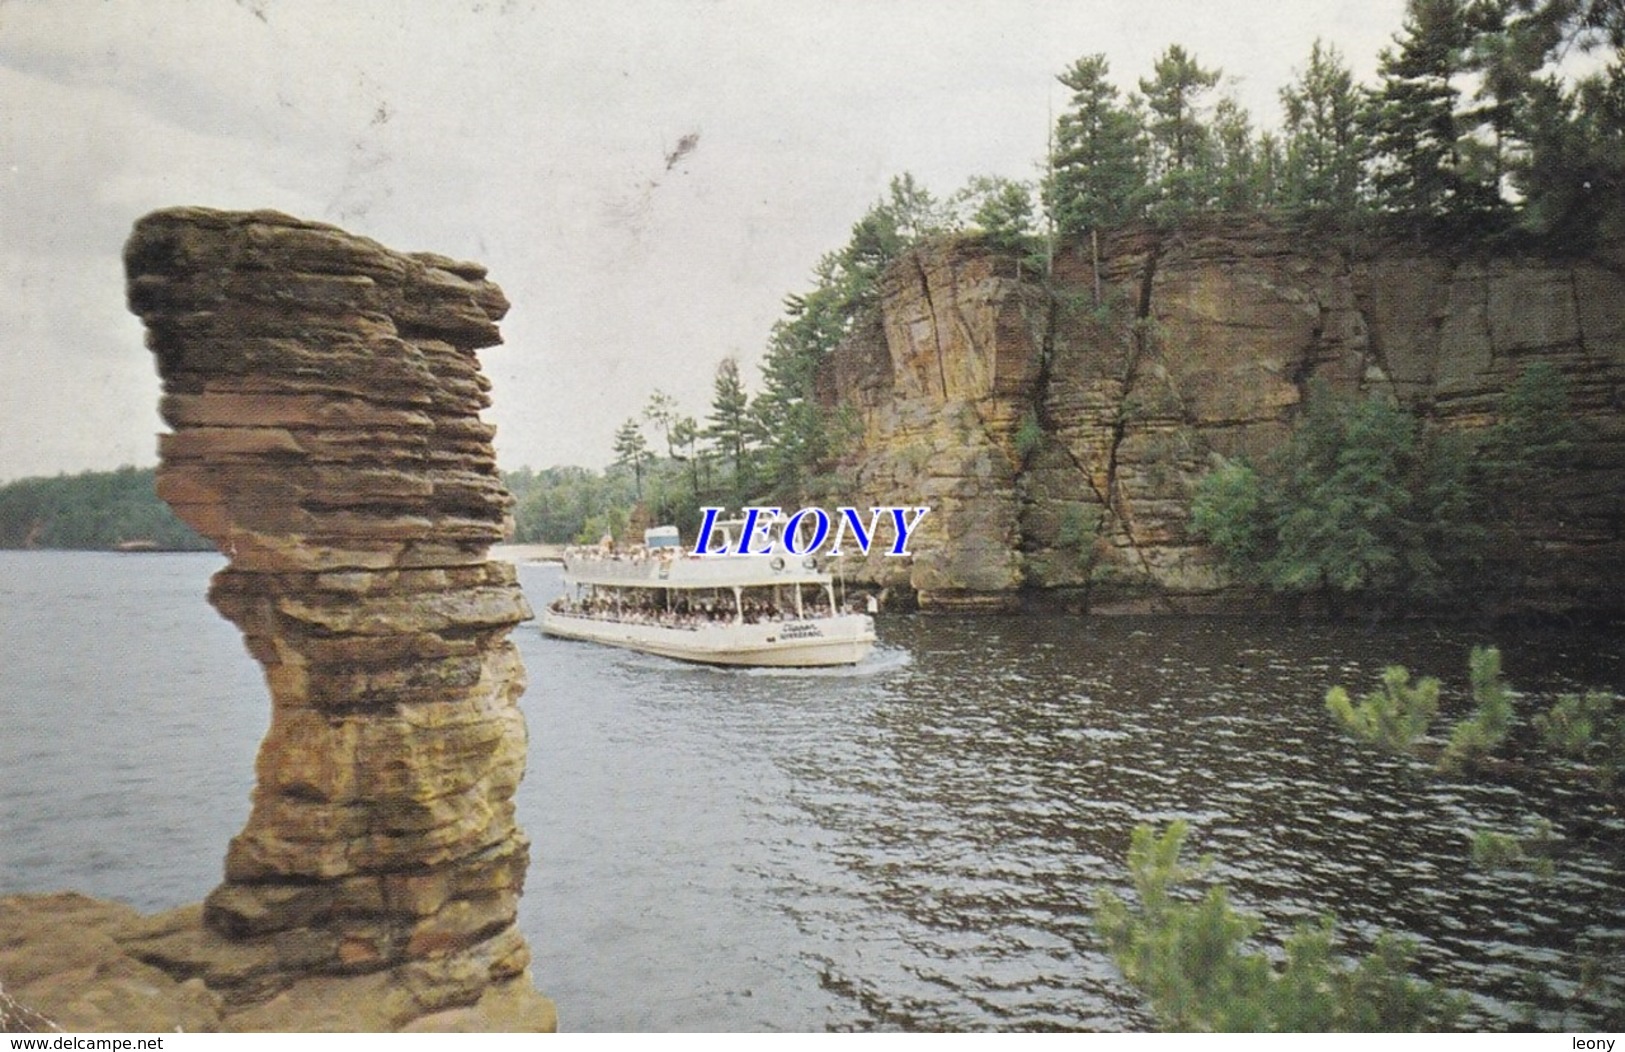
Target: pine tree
914	211
685	436
1001	209
662	412
1347	523
1189	951
906	215
1505	67
1324	145
1417	141
1562	26
1097	174
731	428
1360	501
797	430
1573	175
1269	170
1181	141
793	424
1240	169
631	450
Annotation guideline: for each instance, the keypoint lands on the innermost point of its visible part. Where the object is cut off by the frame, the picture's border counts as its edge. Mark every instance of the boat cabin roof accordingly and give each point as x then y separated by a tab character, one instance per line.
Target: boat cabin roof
662	537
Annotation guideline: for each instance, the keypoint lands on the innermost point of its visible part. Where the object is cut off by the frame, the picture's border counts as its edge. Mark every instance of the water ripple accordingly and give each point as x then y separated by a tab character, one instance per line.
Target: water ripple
915	843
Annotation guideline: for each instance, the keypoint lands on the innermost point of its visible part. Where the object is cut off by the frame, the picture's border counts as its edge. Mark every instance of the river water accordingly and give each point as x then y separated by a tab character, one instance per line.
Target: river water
912	844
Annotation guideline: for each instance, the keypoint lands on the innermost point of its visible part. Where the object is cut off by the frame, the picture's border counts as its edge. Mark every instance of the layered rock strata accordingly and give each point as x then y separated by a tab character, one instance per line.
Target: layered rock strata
325	400
1059	431
941	381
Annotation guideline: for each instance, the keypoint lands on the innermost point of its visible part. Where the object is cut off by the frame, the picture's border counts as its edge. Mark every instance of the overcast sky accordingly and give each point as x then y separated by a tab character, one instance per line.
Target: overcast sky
533	137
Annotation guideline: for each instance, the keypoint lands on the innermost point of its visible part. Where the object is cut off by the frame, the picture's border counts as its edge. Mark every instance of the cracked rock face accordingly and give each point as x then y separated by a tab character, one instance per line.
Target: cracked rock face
1058	432
325	400
939	386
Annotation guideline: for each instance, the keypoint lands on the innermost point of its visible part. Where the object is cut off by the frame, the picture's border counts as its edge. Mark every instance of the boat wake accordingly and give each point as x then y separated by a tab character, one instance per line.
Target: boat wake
881	660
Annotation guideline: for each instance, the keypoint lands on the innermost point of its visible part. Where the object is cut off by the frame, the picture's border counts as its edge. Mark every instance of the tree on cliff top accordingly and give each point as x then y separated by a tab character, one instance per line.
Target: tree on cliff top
905	216
1097	174
1460	136
661	411
1421	169
1573	176
1001	209
1245	167
793	423
1559	25
1181	141
1324	144
1359	502
1558	140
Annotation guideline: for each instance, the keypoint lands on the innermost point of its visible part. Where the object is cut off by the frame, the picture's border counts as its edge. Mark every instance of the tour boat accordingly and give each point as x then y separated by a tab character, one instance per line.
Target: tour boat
773	610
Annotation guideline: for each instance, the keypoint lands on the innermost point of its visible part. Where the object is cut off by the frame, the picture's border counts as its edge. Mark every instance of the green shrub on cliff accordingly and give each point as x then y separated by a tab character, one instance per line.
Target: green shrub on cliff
1232	511
1534	435
1535	439
1346	520
1358	502
1365	501
1029	435
1189	956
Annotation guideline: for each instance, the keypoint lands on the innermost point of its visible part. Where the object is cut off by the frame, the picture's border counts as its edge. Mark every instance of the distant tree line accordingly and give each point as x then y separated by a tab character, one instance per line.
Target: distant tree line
91	510
562	505
1470	131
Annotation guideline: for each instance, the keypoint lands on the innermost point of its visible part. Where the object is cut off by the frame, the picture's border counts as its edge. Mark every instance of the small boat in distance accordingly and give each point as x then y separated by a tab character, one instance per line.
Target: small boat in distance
770	610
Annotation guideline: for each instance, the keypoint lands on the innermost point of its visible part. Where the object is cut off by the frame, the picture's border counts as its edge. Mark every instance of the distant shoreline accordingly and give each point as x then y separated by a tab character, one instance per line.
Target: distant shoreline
127	548
518	553
528	553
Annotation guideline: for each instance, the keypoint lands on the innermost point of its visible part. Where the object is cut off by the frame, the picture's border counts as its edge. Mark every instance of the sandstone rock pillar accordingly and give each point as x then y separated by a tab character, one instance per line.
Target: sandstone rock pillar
325	400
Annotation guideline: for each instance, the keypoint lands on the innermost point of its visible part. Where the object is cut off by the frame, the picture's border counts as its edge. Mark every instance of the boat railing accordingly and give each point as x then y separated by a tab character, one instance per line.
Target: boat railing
677	568
635	563
692	619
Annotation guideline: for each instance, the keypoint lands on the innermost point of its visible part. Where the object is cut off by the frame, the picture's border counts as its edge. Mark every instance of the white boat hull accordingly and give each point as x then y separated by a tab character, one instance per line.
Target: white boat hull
811	643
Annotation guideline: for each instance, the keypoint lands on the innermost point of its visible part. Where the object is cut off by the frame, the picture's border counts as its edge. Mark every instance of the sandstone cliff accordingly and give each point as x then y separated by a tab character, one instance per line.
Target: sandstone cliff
325	400
1058	431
